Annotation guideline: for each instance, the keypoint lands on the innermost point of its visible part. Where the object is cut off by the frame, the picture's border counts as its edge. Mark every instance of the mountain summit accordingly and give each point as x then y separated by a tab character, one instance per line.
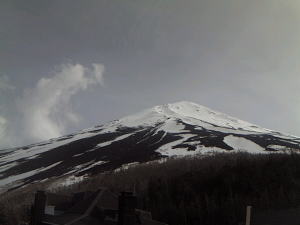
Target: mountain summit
179	129
190	113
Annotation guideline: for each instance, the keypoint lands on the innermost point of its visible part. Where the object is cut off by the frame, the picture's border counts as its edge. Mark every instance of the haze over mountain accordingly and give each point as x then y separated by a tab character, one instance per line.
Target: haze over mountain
179	129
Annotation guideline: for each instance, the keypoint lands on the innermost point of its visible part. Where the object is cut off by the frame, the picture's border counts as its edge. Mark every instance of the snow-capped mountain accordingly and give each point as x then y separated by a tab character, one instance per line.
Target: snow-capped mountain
178	129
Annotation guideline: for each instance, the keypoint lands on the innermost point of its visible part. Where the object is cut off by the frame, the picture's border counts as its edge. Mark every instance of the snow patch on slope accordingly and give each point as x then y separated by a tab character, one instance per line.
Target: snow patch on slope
17	179
93	164
112	141
169	150
243	144
277	147
171	126
34	150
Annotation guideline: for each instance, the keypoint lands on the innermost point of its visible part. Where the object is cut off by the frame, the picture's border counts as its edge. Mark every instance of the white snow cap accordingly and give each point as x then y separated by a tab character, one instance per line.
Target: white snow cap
190	113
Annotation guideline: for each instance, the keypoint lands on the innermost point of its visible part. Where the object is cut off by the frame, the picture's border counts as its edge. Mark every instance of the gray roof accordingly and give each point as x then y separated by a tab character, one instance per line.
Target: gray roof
108	200
61	219
147	221
276	217
79	214
56	199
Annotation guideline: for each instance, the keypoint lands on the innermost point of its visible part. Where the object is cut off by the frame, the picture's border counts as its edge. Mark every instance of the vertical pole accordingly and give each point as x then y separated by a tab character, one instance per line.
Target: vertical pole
127	206
248	215
38	209
121	209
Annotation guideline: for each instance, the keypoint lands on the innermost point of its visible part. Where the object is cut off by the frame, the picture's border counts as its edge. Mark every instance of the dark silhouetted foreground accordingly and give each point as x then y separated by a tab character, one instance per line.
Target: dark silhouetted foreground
190	191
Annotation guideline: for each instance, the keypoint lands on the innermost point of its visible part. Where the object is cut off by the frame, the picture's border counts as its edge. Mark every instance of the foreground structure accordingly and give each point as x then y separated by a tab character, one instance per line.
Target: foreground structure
89	208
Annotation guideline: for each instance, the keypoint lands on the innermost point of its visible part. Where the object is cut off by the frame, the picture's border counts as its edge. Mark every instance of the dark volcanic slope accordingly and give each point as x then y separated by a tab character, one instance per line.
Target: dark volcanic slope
175	129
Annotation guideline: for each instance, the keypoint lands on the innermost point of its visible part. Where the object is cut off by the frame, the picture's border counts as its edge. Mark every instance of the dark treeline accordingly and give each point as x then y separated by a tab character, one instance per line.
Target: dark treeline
192	190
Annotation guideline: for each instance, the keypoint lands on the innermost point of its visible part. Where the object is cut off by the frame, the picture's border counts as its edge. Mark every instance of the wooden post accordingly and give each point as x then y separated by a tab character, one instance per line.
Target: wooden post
248	215
127	206
38	209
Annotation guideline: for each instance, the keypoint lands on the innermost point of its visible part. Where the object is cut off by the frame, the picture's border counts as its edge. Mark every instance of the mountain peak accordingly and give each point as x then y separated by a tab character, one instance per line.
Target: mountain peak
183	108
177	129
190	113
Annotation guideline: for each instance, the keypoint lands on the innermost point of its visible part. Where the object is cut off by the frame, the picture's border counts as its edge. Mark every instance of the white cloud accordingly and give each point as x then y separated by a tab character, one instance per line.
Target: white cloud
2	128
98	71
5	139
5	90
46	108
5	83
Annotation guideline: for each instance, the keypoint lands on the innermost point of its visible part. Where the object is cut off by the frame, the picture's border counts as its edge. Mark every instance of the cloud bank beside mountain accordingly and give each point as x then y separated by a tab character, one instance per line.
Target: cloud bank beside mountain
45	110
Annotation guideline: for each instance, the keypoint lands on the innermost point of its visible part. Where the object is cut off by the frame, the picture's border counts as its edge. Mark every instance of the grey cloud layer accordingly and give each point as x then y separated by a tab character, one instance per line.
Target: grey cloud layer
236	56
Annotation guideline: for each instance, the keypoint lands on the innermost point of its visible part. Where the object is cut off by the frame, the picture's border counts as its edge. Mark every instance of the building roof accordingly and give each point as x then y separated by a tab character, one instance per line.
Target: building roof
61	202
56	199
147	221
108	200
144	214
61	219
77	212
276	217
85	204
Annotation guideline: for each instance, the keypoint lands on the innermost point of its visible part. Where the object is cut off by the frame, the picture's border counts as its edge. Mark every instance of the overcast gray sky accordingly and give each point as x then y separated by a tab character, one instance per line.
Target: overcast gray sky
71	64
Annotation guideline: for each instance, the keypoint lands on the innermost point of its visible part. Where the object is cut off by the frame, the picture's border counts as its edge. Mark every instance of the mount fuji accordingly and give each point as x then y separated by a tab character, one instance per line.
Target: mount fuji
179	129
